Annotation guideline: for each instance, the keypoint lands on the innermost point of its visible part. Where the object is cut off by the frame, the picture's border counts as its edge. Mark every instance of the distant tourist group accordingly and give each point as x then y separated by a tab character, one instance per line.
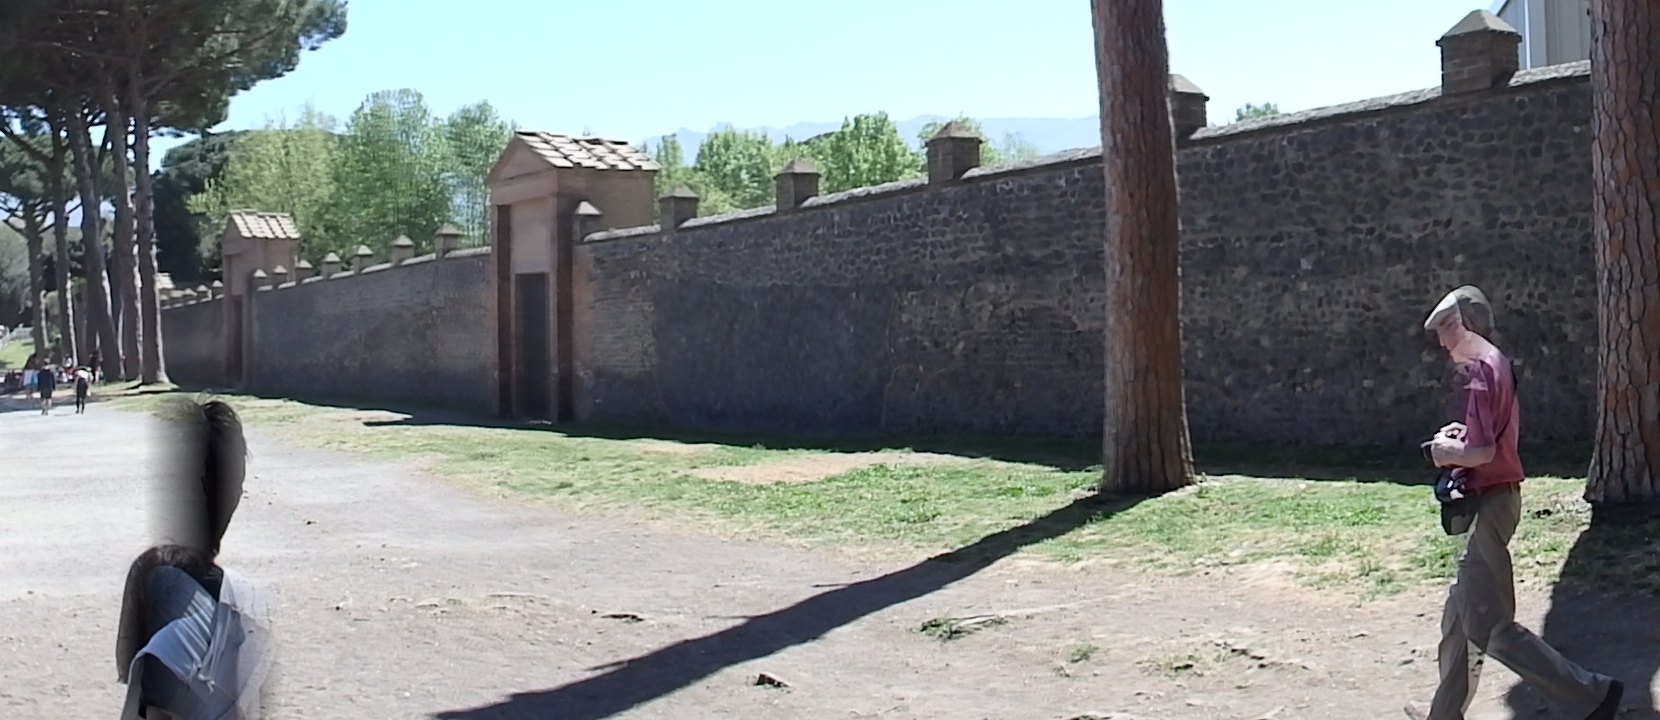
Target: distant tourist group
42	380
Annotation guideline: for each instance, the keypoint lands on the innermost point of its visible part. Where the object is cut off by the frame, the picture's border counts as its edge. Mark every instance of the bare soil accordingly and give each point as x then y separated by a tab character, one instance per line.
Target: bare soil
402	595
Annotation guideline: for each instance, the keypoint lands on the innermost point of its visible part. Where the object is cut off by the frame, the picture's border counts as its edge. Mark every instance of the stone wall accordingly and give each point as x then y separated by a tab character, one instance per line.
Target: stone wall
192	336
421	333
1313	245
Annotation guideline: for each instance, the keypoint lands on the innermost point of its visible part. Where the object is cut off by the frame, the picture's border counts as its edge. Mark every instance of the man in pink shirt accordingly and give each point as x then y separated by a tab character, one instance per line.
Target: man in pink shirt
1481	606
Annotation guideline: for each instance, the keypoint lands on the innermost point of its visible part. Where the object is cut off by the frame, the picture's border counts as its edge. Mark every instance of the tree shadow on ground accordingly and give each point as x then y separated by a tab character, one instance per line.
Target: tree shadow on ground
1605	608
628	683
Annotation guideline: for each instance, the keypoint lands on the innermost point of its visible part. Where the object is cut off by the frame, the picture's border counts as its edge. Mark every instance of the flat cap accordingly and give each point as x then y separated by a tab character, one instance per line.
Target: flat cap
1470	305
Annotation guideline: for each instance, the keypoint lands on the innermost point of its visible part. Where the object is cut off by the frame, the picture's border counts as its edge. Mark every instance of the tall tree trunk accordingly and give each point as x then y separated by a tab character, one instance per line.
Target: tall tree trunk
1145	442
99	322
1625	162
69	343
152	363
32	232
123	270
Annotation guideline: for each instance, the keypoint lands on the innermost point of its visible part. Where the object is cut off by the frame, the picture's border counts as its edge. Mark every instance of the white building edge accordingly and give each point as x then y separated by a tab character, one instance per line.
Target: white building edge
1553	31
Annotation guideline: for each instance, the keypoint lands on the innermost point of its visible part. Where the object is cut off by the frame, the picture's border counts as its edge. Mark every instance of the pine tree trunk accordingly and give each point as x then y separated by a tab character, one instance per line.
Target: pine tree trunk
69	343
1145	441
1625	70
99	322
123	272
32	232
152	364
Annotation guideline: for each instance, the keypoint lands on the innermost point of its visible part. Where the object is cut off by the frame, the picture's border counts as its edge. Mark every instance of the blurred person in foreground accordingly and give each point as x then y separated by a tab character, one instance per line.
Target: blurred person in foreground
1479	618
194	640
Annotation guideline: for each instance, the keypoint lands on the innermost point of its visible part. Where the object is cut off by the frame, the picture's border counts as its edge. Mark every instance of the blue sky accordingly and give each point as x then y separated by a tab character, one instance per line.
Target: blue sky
640	68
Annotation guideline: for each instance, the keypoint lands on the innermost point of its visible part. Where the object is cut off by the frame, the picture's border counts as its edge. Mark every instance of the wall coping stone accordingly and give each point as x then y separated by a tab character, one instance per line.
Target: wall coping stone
1057	160
429	257
376	268
469	252
312	279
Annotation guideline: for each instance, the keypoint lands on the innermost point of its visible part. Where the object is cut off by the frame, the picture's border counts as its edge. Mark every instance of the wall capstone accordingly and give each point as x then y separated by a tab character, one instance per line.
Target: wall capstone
797	182
677	207
952	151
331	265
587	219
402	250
1479	53
446	240
363	258
302	270
1187	107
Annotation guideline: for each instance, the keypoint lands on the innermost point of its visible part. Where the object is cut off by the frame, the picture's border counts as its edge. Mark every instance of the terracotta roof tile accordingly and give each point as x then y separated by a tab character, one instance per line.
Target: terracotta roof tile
265	225
589	152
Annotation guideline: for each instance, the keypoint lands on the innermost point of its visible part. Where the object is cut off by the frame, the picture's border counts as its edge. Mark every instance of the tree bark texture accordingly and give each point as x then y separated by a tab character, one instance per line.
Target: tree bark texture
1625	77
1145	441
152	364
69	349
123	270
99	322
32	237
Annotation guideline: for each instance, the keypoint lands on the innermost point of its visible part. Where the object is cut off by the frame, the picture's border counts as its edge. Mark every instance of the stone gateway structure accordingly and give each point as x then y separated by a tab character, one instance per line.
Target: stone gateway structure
970	301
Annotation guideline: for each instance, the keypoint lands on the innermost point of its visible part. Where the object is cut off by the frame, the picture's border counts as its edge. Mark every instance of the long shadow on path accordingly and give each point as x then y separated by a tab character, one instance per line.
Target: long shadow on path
635	681
1605	608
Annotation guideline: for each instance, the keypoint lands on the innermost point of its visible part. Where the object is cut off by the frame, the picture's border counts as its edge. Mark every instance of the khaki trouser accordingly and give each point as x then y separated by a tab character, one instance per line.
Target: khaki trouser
1480	619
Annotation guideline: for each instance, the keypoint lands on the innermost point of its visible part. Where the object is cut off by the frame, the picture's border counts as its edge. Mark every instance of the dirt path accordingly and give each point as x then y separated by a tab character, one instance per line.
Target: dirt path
403	597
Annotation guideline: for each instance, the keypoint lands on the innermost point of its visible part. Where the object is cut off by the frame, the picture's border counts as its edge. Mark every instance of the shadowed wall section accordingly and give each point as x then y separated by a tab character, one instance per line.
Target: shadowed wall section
193	340
417	333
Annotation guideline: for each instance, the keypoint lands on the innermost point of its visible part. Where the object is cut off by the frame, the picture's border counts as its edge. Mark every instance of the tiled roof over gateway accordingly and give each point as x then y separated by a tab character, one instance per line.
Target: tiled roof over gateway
589	152
265	225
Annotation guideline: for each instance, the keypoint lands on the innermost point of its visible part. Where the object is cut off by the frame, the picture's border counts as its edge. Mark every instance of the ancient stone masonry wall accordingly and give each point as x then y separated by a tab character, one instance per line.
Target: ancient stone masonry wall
420	333
192	337
966	310
1313	246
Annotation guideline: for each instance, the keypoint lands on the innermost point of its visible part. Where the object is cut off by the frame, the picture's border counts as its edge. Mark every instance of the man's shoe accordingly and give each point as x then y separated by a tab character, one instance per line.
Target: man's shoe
1610	702
1416	711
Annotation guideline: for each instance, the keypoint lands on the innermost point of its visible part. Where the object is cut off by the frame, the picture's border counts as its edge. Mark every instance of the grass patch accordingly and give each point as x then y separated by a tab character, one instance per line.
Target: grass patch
15	354
1372	538
950	628
1082	653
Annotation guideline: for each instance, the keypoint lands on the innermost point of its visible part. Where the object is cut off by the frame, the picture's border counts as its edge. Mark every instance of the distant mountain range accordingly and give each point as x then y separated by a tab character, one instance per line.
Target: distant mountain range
1047	134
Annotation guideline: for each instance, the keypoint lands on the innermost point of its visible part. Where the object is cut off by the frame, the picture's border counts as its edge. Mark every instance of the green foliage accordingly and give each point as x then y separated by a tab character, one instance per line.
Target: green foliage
1251	111
389	175
476	137
674	172
186	245
394	170
14	277
740	163
283	168
866	151
735	168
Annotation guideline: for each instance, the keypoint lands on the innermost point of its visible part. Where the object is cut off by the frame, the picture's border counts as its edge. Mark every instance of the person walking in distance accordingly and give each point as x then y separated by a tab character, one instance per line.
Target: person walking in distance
46	380
1479	617
83	385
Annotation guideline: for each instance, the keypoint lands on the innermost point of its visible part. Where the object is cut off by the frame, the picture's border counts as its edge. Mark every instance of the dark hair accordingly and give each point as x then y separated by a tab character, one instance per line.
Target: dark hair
224	454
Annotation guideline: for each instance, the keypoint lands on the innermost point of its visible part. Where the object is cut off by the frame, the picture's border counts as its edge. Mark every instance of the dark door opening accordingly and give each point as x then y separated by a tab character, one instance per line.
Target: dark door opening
533	364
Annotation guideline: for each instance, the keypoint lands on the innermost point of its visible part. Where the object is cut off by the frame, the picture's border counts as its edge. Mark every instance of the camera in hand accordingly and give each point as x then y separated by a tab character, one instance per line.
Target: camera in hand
1458	507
